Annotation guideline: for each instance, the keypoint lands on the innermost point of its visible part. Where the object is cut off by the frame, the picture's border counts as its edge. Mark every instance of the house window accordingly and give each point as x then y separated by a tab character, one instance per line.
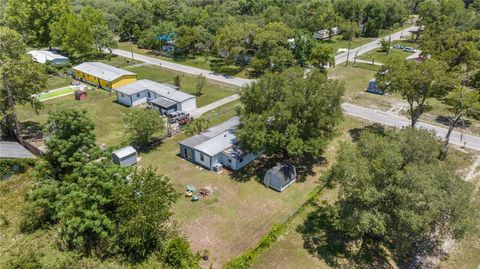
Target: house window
202	158
148	94
138	95
122	95
241	159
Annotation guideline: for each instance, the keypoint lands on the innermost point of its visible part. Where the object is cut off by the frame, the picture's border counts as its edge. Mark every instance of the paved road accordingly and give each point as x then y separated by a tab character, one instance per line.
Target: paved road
185	69
390	119
341	58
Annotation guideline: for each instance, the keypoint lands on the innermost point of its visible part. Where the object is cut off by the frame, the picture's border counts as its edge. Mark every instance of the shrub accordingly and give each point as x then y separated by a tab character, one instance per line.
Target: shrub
177	254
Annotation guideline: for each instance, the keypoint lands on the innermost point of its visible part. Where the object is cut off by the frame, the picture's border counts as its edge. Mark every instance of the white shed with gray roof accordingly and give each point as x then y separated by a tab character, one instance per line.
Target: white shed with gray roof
125	156
162	96
217	146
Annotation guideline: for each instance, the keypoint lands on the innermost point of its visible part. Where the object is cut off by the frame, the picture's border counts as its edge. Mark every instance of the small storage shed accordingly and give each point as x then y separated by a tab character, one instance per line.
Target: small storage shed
280	176
125	156
80	95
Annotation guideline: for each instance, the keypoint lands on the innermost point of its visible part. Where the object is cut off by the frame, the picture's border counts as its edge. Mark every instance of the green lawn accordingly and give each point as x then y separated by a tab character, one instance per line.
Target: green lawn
382	57
55	82
51	94
211	92
101	108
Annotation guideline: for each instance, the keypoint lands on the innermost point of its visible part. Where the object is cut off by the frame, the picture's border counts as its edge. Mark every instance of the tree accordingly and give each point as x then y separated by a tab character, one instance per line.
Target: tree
234	40
177	81
463	101
86	207
290	113
350	29
73	35
395	193
302	47
197	126
375	16
322	57
34	18
416	82
20	79
385	46
102	35
141	125
186	39
71	138
144	209
199	84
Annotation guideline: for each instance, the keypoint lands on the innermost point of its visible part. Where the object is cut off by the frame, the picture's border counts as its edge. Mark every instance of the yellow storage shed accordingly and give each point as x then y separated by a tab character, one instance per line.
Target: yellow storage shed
103	75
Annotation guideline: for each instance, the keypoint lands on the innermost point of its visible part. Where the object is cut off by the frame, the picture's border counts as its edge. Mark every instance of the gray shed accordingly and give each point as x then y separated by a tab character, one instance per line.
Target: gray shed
280	176
125	156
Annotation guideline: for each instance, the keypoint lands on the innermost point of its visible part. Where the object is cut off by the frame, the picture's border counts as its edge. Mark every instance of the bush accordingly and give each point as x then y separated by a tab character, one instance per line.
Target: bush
177	254
25	260
9	167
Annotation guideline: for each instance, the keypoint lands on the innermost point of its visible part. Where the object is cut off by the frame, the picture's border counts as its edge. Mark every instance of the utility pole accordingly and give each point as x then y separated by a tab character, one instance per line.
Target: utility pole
348	51
130	41
389	44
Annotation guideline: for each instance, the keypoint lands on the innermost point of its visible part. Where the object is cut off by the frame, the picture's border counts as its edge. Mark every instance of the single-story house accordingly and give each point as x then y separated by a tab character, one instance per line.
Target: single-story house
216	147
125	156
163	97
326	33
14	150
103	75
47	56
280	176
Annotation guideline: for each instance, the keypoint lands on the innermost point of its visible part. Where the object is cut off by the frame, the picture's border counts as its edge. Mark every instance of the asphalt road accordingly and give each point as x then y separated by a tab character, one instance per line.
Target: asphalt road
341	58
184	69
390	119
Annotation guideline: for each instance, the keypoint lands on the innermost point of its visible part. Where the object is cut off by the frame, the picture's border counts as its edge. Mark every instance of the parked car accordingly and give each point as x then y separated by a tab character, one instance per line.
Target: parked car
178	116
398	46
409	49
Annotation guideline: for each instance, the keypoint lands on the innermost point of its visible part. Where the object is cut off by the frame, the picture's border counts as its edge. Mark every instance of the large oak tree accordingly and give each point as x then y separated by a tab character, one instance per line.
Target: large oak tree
290	113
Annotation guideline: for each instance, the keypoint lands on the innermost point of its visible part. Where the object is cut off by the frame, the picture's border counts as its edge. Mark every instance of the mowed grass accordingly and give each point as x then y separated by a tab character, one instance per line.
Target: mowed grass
290	252
211	91
382	57
58	92
240	212
100	106
337	42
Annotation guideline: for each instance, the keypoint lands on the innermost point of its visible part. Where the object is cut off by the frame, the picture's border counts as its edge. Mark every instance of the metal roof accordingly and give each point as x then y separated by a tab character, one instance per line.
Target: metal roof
14	150
120	153
102	71
42	56
158	88
163	102
215	139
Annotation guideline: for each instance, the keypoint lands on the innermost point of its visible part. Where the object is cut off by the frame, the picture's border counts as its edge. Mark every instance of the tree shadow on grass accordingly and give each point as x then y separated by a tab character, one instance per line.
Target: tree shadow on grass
375	128
219	66
323	241
32	130
259	167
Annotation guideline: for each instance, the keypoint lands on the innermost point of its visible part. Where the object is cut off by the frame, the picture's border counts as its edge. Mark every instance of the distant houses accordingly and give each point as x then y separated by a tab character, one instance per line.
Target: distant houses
217	148
326	33
163	97
103	75
48	56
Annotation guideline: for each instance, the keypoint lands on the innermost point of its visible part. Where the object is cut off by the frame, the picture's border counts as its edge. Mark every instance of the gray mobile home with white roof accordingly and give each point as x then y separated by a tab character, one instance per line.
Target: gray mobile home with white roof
218	146
163	97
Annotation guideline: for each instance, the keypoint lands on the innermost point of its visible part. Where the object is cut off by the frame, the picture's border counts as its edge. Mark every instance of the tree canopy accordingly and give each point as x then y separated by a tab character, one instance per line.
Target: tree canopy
290	113
395	192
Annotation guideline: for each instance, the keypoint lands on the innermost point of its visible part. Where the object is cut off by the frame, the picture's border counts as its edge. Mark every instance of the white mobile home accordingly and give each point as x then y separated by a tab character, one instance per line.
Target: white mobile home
217	147
163	97
47	56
